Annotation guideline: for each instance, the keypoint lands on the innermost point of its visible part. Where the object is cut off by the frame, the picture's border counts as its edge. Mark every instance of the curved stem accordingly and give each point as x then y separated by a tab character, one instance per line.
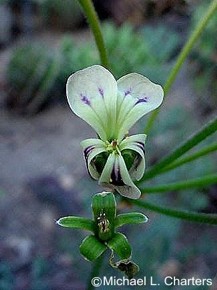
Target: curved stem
95	271
199	136
191	183
181	214
200	153
182	56
94	23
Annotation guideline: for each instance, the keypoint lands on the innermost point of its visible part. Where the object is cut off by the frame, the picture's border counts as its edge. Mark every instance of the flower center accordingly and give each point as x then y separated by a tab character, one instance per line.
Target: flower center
112	146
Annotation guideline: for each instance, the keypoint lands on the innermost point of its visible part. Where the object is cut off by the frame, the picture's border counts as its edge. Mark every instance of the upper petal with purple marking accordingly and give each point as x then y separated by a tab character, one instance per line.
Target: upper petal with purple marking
137	96
92	95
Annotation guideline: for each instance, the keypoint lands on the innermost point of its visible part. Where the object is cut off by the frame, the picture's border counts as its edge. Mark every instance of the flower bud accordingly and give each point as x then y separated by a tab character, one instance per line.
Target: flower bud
104	210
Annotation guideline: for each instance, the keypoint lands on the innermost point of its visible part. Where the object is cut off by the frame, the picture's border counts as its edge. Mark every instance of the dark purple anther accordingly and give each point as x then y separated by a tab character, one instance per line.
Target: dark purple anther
142	100
101	92
85	100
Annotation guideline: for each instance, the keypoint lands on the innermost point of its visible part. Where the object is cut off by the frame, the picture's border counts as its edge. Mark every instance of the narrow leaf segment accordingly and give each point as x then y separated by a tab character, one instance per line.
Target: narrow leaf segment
181	214
199	136
192	183
183	55
200	153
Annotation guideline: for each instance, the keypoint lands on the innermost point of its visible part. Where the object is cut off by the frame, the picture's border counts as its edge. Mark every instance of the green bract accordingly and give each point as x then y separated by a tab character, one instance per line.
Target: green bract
112	107
103	228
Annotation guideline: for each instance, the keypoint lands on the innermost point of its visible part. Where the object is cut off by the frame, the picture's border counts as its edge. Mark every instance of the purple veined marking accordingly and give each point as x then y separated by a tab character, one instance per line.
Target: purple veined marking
116	176
88	150
101	92
85	100
141	145
142	100
127	92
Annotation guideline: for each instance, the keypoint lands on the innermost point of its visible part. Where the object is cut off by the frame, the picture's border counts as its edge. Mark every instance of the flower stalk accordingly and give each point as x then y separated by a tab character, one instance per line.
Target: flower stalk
93	20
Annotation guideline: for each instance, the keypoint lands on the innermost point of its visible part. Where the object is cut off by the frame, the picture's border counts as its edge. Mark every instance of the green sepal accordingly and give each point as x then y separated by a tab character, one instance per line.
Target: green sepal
104	211
76	223
130	218
91	248
120	245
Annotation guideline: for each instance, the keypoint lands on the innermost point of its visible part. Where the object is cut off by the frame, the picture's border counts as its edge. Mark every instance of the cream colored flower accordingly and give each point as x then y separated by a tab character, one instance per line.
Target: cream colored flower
111	108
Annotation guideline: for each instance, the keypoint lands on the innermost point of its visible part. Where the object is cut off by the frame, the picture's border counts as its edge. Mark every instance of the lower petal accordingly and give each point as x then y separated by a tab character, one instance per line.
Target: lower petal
136	143
92	148
116	176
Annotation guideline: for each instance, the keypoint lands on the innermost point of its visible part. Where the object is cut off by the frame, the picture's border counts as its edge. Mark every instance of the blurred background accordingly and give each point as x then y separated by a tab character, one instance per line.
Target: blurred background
42	171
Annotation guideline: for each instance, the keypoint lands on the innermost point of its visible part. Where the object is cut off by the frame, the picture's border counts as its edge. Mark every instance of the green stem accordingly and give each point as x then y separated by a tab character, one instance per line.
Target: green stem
181	214
191	183
199	136
204	151
95	271
182	56
94	23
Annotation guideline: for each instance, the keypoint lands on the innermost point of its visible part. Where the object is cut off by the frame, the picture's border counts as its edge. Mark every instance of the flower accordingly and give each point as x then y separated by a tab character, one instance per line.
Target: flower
111	108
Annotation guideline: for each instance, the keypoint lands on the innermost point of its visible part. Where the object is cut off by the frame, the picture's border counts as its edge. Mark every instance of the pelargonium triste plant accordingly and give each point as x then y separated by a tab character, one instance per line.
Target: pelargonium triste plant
104	234
111	108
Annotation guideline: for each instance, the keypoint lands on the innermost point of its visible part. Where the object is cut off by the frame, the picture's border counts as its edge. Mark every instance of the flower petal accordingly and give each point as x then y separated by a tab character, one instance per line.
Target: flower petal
115	175
137	144
92	147
92	95
137	96
105	177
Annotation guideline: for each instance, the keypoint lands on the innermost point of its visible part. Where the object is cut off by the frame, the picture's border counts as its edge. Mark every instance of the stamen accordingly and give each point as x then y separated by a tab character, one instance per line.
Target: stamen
114	143
103	223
